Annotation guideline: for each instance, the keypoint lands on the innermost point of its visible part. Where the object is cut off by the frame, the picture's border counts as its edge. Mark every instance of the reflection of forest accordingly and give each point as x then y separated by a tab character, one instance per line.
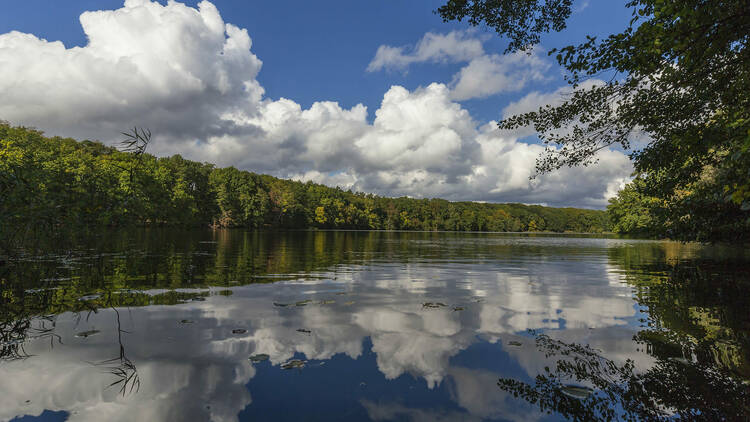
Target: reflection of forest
697	329
151	266
583	385
697	305
129	261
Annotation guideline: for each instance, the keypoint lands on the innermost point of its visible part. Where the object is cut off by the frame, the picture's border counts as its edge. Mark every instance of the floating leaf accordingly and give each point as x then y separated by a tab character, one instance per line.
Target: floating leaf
198	299
326	302
433	305
186	321
294	363
302	330
303	302
89	333
281	305
239	331
458	308
260	357
577	391
515	343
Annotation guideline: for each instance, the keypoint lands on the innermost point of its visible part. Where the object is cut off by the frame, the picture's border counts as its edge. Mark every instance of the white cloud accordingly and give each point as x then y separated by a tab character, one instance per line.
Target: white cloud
191	78
535	100
483	76
492	74
582	6
172	67
455	46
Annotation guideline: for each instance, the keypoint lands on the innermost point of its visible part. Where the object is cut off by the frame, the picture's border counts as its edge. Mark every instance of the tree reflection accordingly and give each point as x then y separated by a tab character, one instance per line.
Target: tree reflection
697	329
14	332
696	308
583	385
21	322
123	369
18	323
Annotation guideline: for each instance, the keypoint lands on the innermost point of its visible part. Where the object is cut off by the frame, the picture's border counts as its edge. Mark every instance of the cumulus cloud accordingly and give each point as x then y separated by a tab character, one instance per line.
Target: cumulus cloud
191	78
180	69
483	76
455	46
493	74
535	100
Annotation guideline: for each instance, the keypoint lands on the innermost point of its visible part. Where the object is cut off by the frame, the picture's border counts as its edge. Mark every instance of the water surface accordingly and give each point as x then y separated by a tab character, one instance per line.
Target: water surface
232	325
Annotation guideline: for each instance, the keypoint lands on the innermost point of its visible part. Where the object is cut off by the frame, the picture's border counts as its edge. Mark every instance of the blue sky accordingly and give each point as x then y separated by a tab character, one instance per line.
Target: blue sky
320	51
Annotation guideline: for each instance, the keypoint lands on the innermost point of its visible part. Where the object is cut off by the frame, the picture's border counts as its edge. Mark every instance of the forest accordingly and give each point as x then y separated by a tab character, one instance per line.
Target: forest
48	183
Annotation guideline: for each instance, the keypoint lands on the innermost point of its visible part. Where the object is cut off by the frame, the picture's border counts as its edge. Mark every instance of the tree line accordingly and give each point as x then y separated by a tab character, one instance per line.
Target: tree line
61	182
702	211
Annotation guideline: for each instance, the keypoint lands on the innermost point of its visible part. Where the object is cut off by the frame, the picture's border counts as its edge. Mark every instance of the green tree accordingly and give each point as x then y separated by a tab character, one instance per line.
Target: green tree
678	75
62	186
632	212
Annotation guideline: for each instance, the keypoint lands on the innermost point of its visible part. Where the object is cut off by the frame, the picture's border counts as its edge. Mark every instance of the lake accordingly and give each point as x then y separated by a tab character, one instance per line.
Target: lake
228	325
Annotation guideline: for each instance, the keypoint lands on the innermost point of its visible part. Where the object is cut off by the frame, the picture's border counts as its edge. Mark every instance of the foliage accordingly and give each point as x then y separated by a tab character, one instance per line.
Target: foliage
699	212
521	21
677	78
60	184
632	212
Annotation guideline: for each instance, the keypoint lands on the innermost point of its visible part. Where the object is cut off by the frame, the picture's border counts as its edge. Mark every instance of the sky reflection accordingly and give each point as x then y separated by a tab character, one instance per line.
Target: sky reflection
373	350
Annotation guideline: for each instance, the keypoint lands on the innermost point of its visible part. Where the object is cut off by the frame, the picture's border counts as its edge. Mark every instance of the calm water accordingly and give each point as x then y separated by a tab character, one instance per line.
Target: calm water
232	325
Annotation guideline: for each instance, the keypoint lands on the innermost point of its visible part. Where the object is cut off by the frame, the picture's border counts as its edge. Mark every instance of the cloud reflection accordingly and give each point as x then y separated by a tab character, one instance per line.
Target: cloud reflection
200	370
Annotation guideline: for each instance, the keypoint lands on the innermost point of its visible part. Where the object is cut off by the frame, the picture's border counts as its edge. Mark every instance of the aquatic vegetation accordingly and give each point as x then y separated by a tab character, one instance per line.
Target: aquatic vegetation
89	333
260	357
577	391
294	364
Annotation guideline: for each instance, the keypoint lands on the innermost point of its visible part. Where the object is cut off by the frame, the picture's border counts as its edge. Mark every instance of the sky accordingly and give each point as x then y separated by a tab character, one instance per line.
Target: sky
376	96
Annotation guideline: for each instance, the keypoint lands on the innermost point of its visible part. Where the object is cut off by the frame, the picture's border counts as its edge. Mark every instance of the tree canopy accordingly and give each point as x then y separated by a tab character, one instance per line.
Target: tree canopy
672	89
51	183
